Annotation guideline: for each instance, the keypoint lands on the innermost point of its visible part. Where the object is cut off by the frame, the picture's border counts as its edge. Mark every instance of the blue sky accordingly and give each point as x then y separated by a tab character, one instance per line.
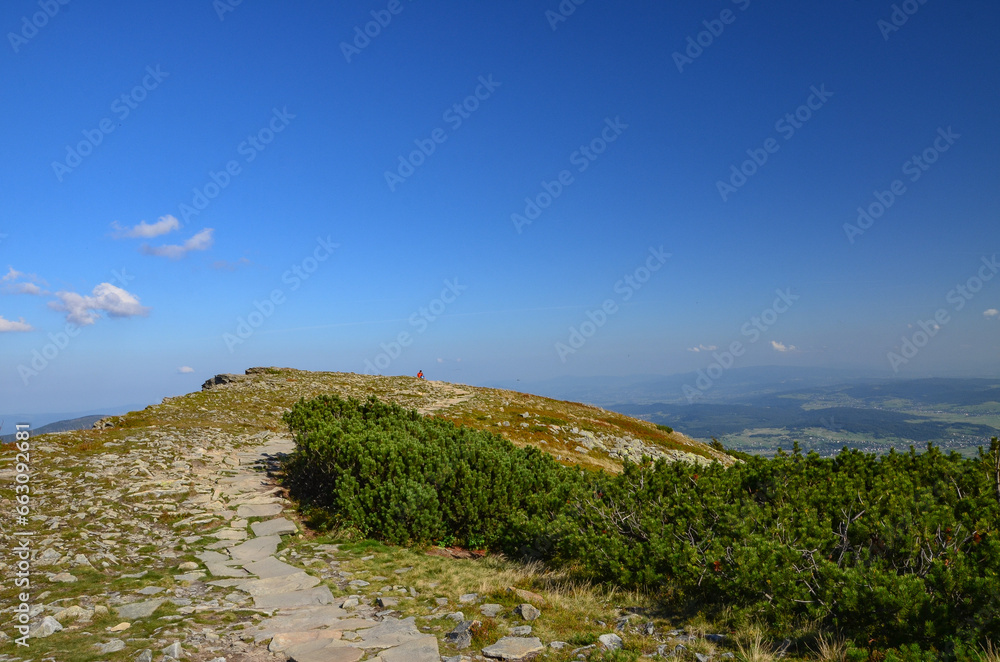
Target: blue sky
121	115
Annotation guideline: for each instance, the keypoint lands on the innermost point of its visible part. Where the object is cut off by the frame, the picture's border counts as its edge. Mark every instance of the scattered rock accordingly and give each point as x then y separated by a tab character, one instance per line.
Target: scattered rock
491	610
112	646
461	636
611	642
138	610
527	611
174	650
46	627
514	648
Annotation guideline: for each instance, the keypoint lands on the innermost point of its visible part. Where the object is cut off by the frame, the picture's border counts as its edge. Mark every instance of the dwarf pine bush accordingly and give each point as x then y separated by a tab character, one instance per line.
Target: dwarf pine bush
405	478
898	553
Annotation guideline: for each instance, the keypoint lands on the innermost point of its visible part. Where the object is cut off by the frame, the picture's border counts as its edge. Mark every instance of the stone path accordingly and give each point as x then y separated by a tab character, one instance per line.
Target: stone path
306	625
160	544
110	517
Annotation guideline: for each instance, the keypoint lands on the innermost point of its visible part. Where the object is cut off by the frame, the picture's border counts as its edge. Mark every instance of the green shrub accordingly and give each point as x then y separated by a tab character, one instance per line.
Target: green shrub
405	478
899	553
896	550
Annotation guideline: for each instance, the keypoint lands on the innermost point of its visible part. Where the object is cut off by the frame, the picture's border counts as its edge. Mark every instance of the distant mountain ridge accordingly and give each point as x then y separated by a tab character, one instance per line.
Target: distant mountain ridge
81	423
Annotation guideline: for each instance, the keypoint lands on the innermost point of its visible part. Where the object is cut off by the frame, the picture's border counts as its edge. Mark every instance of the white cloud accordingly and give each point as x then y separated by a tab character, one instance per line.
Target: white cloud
22	283
185	369
83	310
199	242
782	347
703	348
27	288
991	313
10	326
146	230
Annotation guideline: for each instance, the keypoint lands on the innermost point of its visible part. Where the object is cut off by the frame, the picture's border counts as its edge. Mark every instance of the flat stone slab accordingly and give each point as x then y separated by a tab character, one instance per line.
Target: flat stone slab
285	640
307	618
270	567
190	576
273	527
323	650
514	648
275	585
314	596
229	534
137	610
213	557
390	632
255	549
259	510
222	570
424	649
334	652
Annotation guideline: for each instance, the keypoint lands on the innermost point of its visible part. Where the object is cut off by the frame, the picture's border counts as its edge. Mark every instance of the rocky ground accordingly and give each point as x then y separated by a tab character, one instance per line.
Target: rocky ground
165	536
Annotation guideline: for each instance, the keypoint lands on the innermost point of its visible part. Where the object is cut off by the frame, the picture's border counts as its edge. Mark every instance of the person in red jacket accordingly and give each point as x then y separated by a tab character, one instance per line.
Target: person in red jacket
420	374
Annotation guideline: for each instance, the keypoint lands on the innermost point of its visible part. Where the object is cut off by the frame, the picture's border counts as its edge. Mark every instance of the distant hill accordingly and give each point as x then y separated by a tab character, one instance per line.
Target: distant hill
875	415
81	423
735	384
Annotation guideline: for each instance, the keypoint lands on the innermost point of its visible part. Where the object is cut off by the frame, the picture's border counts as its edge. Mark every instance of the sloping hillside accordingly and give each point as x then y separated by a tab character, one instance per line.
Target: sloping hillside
574	433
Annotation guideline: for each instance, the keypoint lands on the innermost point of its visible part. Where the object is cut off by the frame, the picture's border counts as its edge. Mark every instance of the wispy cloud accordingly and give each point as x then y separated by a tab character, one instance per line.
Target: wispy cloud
199	242
703	348
8	326
991	313
782	347
27	288
106	298
184	369
18	282
146	230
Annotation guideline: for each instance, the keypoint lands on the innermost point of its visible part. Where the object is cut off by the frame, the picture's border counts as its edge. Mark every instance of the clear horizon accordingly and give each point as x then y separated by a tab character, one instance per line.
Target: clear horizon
489	194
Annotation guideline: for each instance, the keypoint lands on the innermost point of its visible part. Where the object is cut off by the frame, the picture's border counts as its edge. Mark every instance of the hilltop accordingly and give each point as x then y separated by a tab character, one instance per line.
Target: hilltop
165	533
170	533
574	433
